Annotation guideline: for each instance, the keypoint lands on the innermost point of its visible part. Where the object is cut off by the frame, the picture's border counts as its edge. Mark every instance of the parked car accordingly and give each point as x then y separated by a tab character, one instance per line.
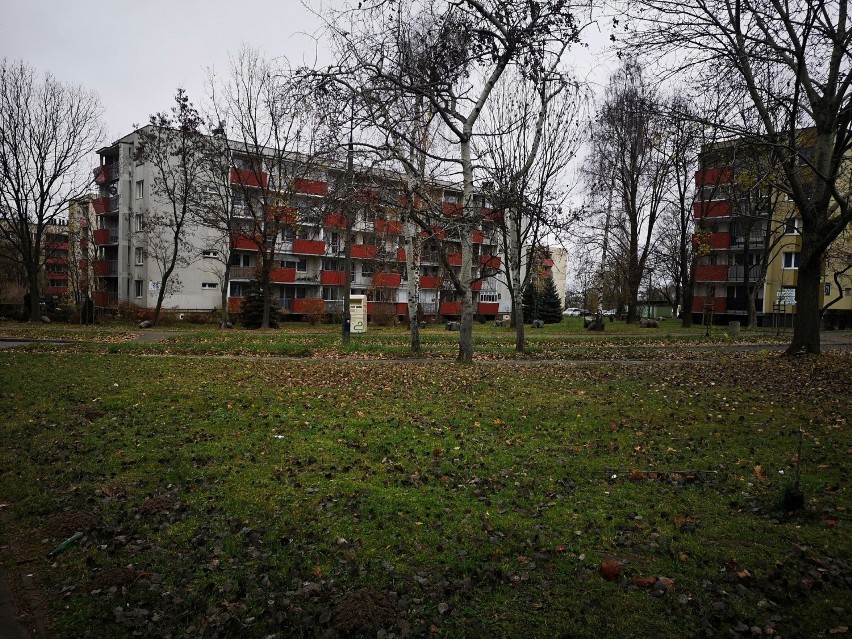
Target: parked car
572	312
610	312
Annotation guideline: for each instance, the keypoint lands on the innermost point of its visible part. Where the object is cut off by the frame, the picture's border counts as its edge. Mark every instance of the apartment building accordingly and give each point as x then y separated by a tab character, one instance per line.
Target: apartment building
748	239
308	252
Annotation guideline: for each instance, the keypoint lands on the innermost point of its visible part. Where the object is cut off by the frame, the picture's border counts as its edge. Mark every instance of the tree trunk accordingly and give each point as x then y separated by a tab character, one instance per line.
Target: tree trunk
466	324
225	285
513	257
267	302
807	319
520	334
35	300
413	268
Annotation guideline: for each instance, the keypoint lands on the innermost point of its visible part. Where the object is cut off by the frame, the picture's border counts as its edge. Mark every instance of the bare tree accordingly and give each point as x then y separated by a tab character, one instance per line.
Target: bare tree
788	66
174	146
535	125
451	55
275	144
47	130
629	166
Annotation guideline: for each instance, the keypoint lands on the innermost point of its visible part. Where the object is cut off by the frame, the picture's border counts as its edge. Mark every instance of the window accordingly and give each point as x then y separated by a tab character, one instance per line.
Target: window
451	198
366	270
138	288
792	226
209	286
140	189
331	293
488	297
791	260
287	235
137	222
209	254
302	265
140	256
240	259
236	289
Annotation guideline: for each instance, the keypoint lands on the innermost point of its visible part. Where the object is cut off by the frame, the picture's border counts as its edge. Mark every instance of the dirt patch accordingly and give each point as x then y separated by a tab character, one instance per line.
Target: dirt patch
362	610
65	524
113	577
156	505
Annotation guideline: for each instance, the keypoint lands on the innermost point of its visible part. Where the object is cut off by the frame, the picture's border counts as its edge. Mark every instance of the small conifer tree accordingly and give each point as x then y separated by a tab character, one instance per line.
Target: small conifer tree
251	308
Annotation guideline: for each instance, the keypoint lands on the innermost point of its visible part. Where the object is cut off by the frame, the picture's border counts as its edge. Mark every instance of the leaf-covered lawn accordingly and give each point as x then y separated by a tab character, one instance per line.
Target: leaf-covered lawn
249	497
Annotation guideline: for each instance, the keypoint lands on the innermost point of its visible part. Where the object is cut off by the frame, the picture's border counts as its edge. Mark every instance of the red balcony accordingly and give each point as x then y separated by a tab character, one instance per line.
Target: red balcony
311	187
400	254
719	208
281	275
58	275
452	209
101	174
367	196
56	260
55	290
478	237
282	214
491	214
335	221
242	242
476	285
84	244
488	308
248	177
83	264
431	281
714	177
100	268
100	298
333	278
364	251
235	304
720	304
449	308
309	247
307	305
714	240
387	280
101	205
101	237
489	261
711	273
391	227
402	308
454	259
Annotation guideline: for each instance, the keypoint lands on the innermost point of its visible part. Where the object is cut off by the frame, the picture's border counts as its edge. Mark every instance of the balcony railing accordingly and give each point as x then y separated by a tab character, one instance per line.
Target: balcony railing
334	307
737	272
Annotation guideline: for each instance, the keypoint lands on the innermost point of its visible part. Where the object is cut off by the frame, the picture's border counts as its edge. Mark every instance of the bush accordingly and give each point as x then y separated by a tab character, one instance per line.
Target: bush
314	311
134	313
251	308
384	314
541	302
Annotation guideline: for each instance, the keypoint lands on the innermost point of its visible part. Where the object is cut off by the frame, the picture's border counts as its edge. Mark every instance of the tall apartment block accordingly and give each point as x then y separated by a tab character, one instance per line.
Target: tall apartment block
747	237
309	252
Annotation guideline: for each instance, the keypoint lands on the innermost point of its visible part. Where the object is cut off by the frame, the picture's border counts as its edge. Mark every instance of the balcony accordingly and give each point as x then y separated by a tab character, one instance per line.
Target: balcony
737	273
711	273
454	259
390	227
364	251
248	177
310	187
281	214
308	247
101	268
83	264
243	242
334	307
431	281
488	308
478	237
307	305
105	237
489	261
719	304
449	308
476	285
740	305
400	254
105	173
755	240
243	272
491	215
55	290
452	209
386	280
367	196
105	299
714	240
437	232
281	275
335	221
714	177
333	278
720	208
101	205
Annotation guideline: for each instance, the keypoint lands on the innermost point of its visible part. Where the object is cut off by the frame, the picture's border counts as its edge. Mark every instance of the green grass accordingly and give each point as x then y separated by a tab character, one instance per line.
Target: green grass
484	496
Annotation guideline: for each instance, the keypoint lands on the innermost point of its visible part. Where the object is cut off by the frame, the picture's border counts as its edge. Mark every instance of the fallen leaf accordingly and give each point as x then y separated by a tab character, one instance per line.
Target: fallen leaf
644	582
759	472
610	570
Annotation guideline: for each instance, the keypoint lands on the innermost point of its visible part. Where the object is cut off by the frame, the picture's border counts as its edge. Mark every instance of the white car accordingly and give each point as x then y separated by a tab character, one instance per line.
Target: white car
572	312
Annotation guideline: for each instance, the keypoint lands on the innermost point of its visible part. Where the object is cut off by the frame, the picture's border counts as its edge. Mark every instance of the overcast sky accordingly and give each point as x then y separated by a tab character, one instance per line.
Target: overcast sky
135	54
